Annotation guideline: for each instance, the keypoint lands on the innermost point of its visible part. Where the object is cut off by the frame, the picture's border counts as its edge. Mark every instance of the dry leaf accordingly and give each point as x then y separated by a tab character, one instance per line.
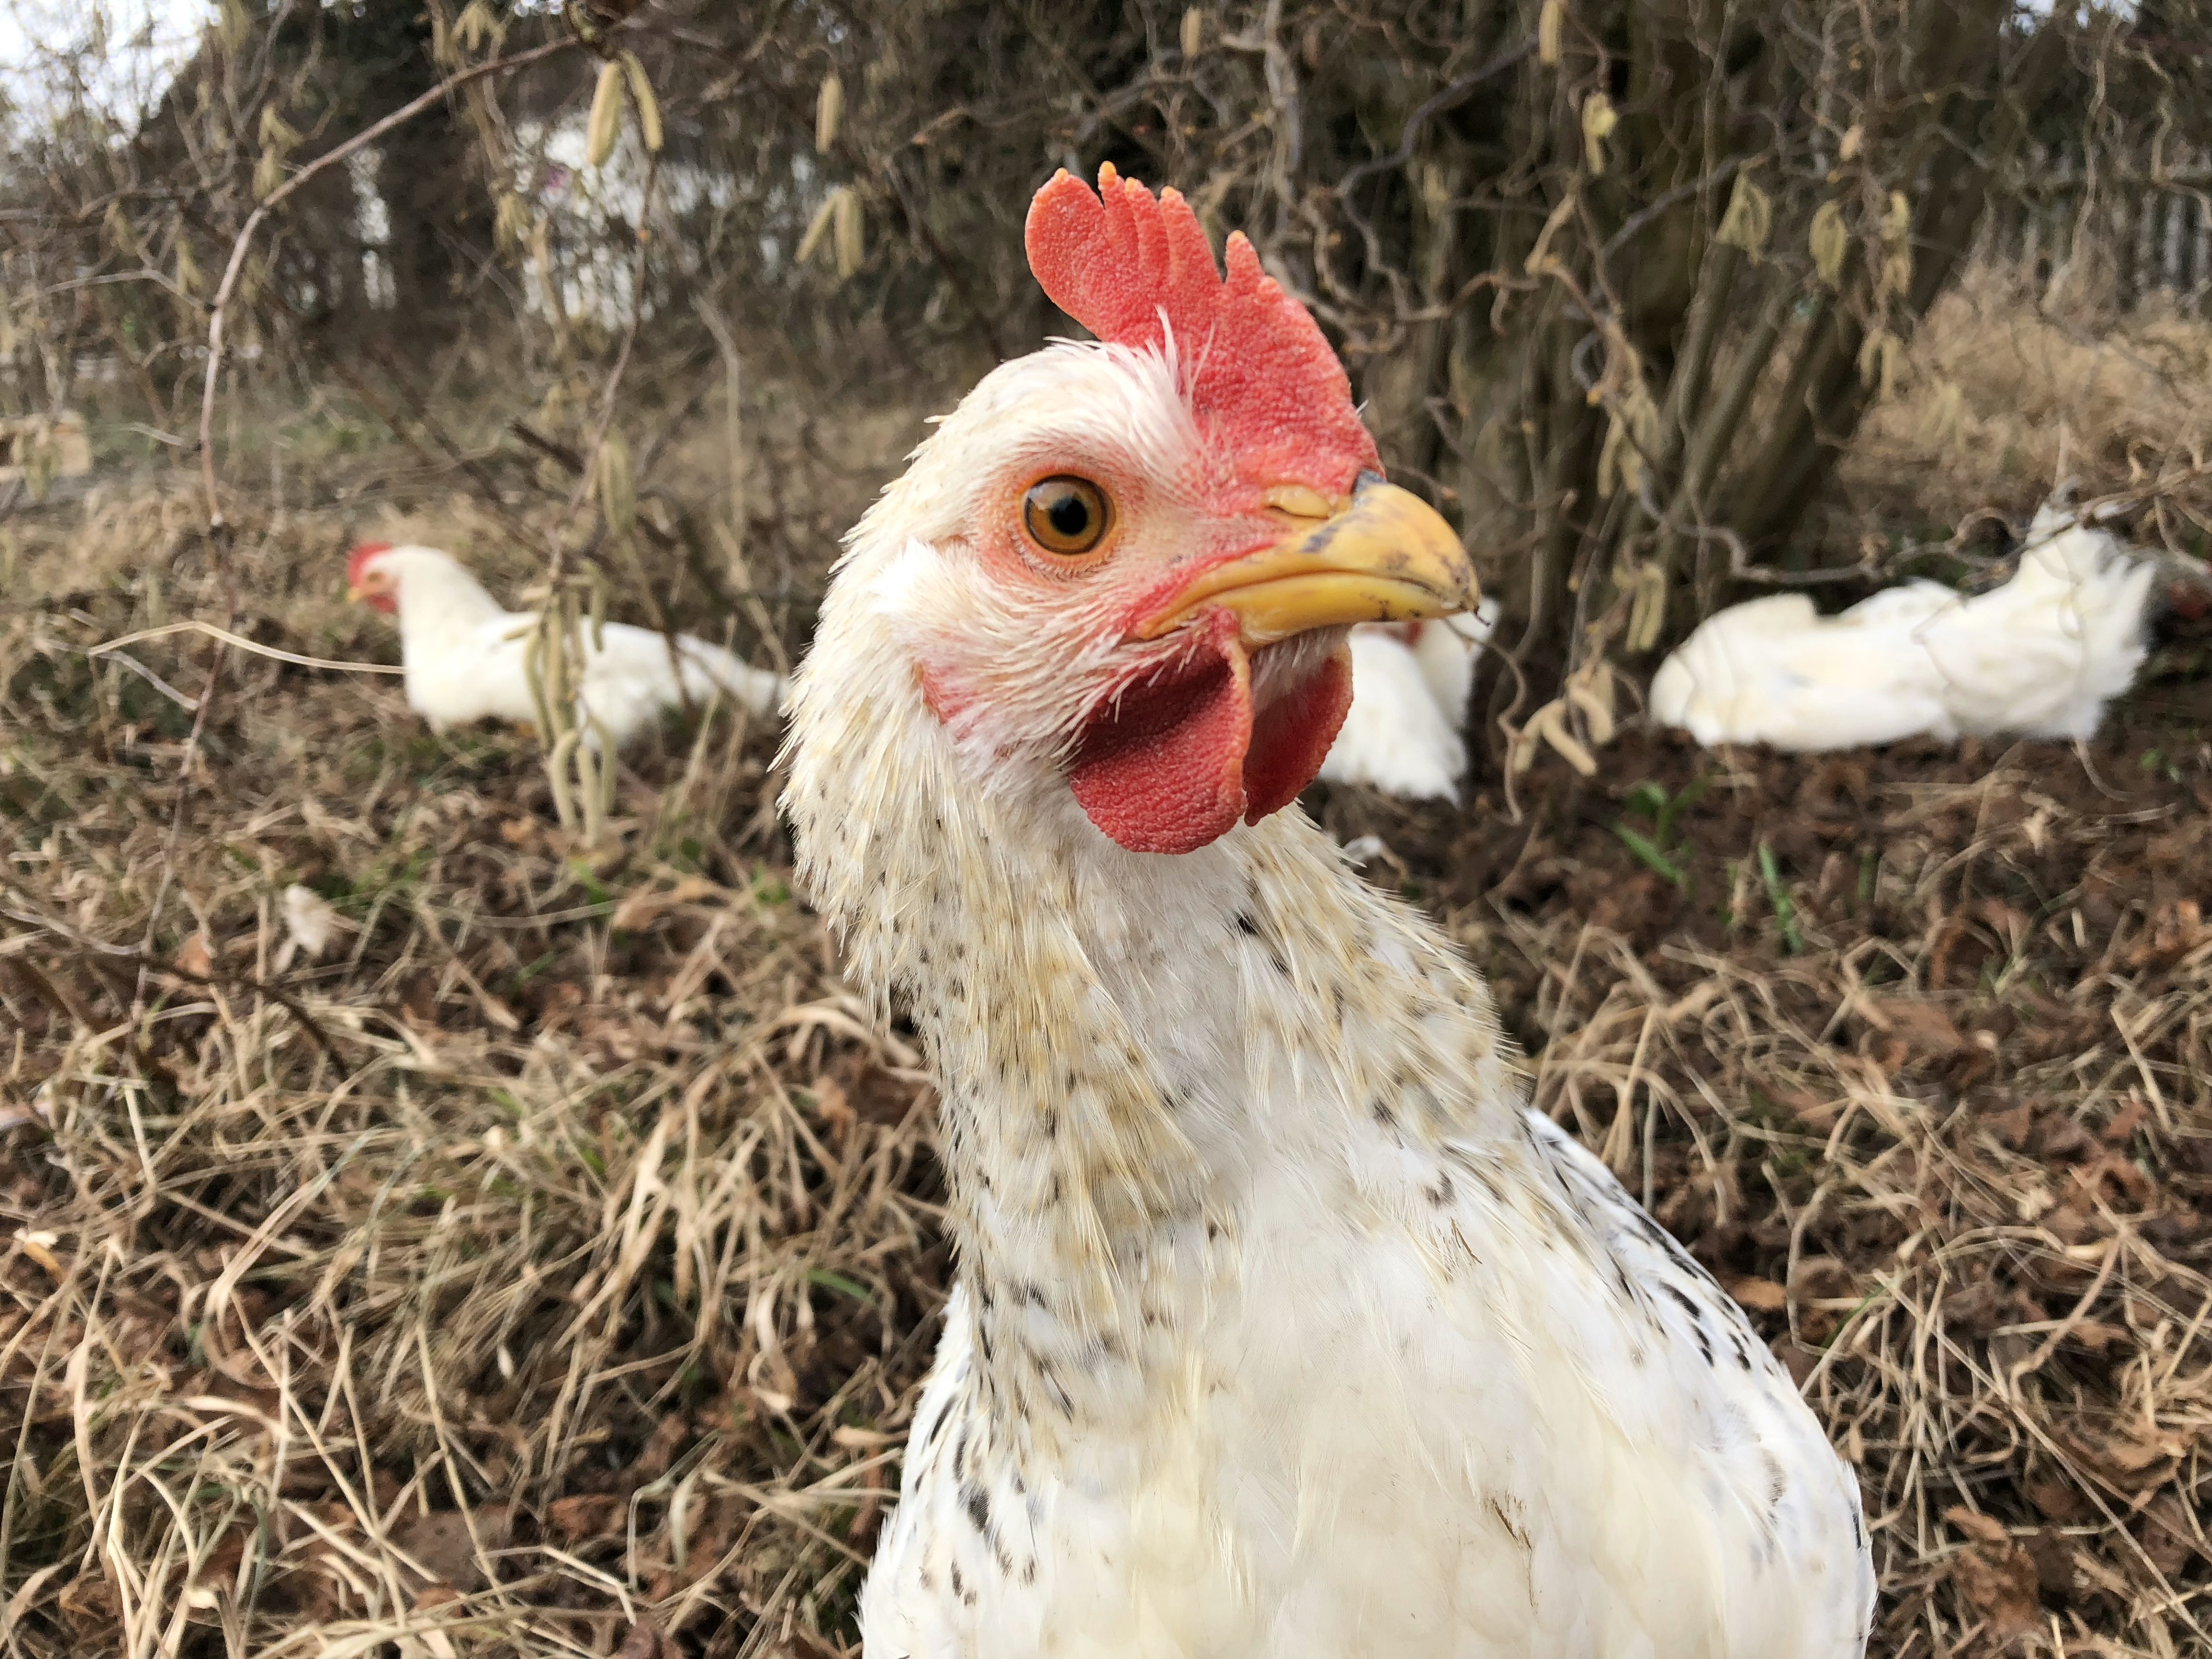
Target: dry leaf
2056	1501
2098	1336
580	1519
1749	219
1599	120
2002	1582
1760	1294
2056	1568
606	123
194	957
2169	1538
1975	1525
1922	1026
442	1543
1551	23
835	1110
1808	1109
1829	241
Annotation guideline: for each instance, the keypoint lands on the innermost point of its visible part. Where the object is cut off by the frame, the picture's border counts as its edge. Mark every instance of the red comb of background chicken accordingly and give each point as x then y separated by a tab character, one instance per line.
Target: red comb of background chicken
1256	367
359	556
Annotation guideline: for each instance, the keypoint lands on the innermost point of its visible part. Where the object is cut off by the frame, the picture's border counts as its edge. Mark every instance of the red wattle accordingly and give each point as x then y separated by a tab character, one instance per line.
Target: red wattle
1293	736
1175	761
1161	769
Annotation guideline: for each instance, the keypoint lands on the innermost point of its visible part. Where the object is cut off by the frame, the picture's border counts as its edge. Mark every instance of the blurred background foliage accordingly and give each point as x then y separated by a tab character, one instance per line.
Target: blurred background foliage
1616	279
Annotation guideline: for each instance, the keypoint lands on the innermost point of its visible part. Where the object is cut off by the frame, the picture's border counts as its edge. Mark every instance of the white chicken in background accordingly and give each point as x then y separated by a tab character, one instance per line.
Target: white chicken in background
464	655
1775	670
1409	687
2038	657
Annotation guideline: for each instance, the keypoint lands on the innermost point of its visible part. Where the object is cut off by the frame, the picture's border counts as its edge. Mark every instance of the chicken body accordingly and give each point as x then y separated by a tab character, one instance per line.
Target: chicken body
2041	656
465	655
1409	688
1283	1329
1373	1364
2044	653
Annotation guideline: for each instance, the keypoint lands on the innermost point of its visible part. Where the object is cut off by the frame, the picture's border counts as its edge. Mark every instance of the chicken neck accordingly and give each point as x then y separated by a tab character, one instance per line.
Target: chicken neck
444	612
1129	1045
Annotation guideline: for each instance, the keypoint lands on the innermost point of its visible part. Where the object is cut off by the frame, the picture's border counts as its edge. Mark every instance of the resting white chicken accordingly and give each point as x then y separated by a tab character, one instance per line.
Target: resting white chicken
464	655
1282	1329
1409	686
2039	656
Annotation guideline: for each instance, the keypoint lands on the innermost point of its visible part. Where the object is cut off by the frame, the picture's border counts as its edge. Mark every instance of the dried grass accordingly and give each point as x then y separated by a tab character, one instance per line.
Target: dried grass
1973	1214
549	1258
2007	388
547	1267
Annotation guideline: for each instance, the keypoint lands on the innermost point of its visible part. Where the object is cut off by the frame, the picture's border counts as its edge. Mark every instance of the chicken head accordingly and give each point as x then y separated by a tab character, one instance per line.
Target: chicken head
371	580
1130	565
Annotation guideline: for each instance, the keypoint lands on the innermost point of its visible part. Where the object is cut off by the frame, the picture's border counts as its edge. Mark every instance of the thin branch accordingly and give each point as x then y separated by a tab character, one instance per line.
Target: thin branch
194	625
227	289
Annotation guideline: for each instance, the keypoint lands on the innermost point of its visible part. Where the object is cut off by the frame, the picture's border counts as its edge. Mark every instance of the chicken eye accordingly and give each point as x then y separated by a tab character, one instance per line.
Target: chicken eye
1066	515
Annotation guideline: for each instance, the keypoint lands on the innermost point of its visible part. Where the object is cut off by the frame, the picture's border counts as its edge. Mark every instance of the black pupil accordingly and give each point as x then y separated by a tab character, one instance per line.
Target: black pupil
1070	514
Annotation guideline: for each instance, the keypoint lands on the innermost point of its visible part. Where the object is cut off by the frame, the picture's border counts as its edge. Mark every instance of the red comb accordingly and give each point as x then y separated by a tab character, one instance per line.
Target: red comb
360	557
1256	368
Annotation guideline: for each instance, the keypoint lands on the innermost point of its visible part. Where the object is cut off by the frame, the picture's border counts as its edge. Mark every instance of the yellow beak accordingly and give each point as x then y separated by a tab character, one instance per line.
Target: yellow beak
353	594
1384	555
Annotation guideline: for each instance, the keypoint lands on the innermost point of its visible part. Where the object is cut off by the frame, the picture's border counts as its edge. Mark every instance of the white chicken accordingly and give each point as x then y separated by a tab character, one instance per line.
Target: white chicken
1282	1328
464	655
1409	687
2041	656
2044	653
